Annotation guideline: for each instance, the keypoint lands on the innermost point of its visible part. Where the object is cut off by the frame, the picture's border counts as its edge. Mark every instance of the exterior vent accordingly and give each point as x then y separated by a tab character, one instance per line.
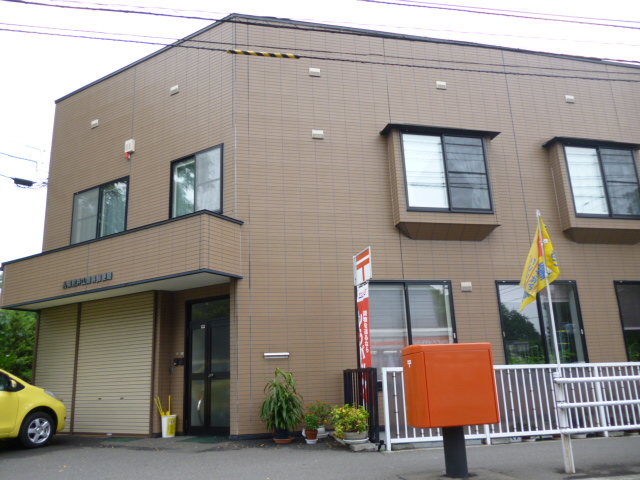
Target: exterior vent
94	123
317	134
314	72
570	99
130	146
441	85
173	90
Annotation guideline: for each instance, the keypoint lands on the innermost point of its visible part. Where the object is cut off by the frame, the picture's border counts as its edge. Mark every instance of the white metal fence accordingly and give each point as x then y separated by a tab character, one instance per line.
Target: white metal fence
528	404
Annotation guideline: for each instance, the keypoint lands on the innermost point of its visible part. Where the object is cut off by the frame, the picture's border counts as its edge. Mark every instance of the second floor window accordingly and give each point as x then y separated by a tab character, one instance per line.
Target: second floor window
445	172
100	211
197	183
604	181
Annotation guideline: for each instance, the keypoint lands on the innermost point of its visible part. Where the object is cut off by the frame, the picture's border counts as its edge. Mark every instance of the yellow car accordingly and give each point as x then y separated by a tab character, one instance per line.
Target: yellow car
28	413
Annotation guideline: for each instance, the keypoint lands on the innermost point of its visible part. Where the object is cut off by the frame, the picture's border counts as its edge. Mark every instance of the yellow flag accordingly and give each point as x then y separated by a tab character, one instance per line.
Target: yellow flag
535	277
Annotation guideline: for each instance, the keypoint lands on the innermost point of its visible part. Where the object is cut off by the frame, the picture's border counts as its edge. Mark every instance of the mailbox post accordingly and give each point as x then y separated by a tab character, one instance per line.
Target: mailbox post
450	386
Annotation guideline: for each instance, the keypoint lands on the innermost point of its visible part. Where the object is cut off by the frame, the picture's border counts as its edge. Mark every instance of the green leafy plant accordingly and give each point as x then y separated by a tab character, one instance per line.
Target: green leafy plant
350	418
282	409
320	409
311	421
17	338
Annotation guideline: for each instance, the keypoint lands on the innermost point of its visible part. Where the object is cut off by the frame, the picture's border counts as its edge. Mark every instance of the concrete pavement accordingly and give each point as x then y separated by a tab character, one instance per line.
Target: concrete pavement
75	457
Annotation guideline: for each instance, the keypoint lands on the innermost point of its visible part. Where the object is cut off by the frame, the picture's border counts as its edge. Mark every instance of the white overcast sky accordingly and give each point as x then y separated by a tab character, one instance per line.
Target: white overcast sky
35	69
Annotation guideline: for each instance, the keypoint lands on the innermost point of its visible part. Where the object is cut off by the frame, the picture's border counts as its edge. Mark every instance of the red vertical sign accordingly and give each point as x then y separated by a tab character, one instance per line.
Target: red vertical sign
363	326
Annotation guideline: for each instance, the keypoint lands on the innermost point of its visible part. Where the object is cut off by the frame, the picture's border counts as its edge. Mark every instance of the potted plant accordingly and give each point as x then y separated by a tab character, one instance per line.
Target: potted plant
282	408
322	410
312	422
351	422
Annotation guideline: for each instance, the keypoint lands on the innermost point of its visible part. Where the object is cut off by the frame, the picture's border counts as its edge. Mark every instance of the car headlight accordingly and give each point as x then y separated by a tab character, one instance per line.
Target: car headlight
52	395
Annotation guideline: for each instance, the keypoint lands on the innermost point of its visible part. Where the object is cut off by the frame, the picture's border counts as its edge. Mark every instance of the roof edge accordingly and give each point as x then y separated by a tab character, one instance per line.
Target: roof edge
229	18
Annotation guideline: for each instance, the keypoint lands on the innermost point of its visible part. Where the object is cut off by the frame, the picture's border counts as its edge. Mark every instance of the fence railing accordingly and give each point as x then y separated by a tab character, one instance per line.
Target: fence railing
527	402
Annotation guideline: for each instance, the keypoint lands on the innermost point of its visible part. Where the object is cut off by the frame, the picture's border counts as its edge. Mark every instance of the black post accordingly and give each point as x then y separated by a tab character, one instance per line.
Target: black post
455	452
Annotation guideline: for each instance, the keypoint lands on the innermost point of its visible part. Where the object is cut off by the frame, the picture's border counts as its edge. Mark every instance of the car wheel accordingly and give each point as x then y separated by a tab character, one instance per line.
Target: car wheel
37	430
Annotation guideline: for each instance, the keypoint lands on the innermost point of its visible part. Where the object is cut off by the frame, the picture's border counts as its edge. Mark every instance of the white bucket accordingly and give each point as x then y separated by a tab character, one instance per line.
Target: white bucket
169	426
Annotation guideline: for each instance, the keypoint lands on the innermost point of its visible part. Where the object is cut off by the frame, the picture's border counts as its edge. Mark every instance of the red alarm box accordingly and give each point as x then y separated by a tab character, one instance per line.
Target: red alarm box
450	385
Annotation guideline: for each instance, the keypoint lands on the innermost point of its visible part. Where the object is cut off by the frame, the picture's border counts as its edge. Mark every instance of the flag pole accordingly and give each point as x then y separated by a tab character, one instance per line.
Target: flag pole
552	319
563	418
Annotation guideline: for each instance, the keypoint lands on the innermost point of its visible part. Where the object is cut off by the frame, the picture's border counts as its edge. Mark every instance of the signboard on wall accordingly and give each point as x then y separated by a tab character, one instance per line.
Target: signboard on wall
362	267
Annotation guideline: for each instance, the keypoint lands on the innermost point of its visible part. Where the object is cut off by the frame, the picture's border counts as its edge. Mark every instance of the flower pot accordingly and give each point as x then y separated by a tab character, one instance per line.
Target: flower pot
311	434
283	440
351	438
322	432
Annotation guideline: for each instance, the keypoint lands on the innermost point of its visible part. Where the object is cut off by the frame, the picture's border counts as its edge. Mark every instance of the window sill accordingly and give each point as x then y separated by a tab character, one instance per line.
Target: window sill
604	235
466	228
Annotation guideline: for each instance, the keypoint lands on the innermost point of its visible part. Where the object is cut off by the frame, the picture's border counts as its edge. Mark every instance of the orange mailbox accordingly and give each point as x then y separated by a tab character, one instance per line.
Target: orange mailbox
450	385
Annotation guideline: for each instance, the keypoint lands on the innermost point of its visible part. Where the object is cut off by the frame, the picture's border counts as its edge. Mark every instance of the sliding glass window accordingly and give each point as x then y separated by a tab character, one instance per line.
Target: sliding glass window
526	334
407	313
446	172
100	211
197	183
604	181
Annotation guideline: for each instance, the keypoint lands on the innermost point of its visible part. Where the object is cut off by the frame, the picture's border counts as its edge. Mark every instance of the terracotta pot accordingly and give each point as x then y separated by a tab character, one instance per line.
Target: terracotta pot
311	434
283	440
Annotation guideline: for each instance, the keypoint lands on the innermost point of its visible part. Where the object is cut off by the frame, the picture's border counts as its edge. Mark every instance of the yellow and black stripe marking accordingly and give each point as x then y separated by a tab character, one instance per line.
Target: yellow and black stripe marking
264	54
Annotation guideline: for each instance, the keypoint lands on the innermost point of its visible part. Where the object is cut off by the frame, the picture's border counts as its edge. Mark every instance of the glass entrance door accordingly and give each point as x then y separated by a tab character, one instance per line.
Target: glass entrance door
208	376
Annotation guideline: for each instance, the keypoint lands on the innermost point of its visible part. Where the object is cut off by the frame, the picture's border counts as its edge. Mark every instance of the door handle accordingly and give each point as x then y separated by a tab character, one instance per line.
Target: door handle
211	375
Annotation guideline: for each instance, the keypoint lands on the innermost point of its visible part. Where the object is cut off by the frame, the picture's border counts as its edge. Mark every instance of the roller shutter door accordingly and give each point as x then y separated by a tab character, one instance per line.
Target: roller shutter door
56	353
113	390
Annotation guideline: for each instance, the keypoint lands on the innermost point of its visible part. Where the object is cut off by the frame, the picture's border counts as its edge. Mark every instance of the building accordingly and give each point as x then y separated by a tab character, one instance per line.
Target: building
220	245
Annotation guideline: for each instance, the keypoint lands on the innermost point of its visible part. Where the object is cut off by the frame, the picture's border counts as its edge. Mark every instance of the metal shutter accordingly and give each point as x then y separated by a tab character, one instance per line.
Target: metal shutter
113	391
56	353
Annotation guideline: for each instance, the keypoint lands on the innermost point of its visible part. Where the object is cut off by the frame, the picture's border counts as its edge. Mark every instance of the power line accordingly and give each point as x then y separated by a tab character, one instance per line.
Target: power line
518	11
297	27
181	44
23	183
19	158
108	9
279	47
495	13
408	3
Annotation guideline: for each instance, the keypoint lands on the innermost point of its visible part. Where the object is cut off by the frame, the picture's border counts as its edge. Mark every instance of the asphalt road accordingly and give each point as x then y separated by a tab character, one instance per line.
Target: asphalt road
76	457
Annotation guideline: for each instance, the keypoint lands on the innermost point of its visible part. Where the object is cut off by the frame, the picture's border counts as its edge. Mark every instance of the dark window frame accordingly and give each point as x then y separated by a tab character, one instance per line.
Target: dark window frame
172	186
538	302
624	329
598	146
100	189
406	284
442	133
